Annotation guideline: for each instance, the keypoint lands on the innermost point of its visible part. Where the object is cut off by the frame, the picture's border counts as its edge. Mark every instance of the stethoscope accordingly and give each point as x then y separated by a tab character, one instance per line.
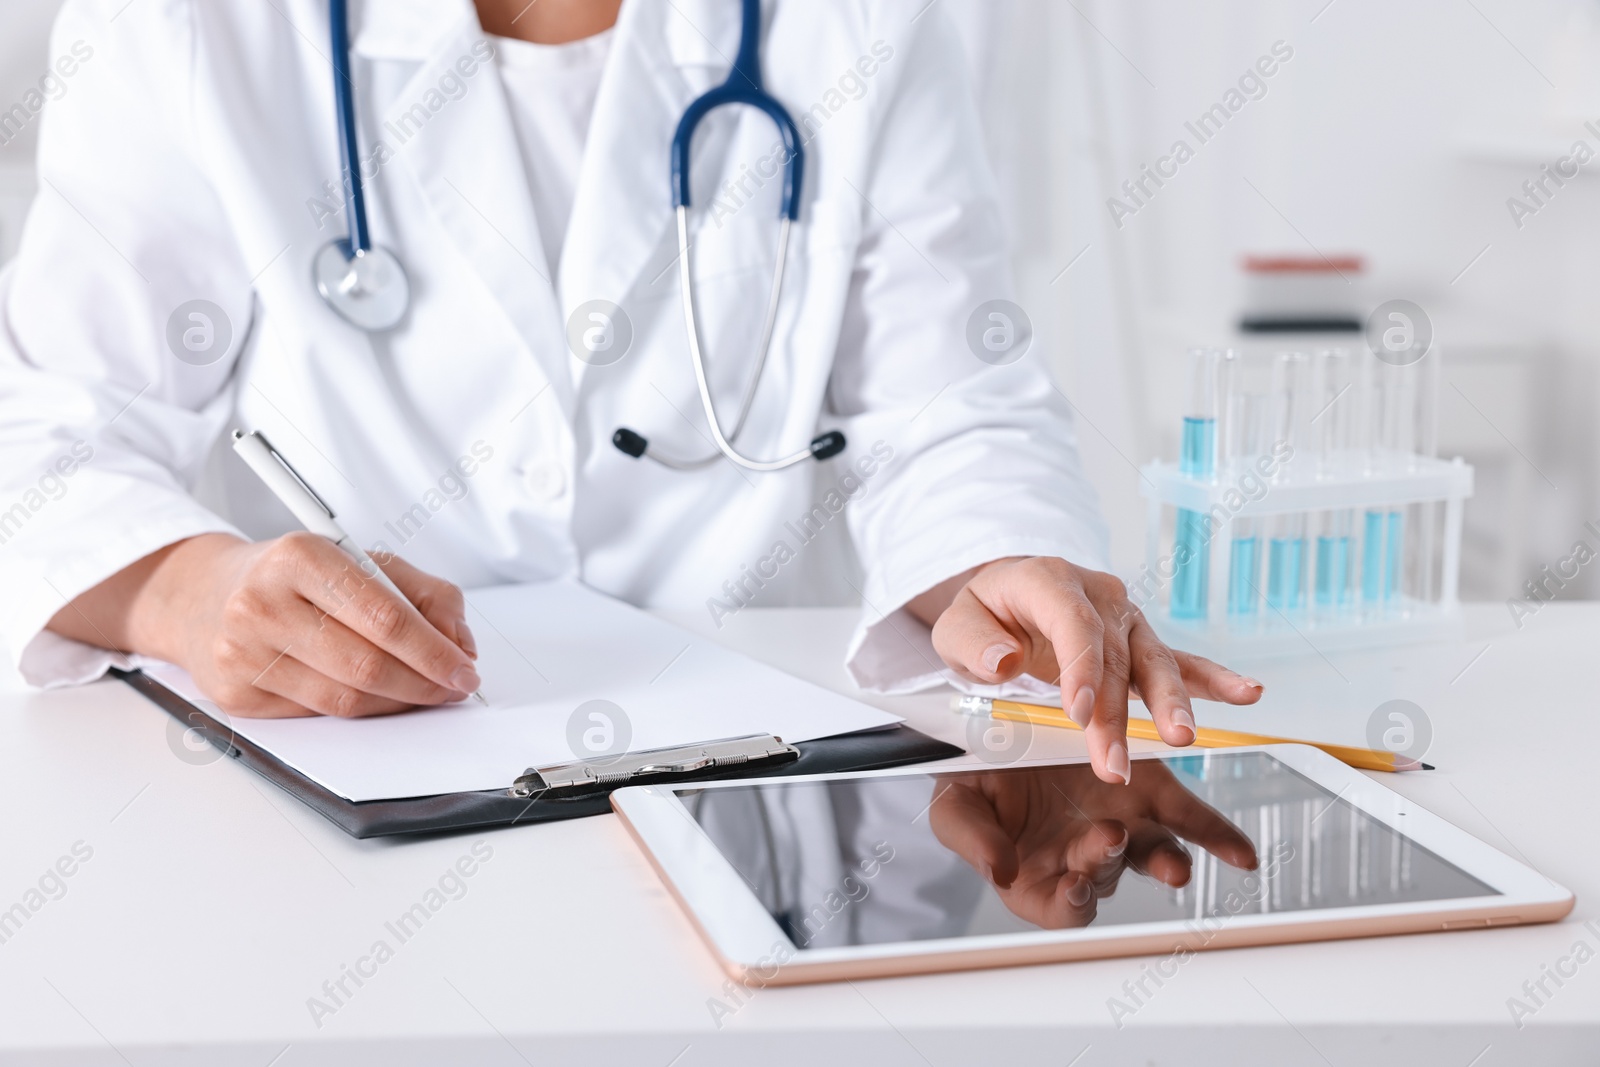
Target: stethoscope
362	282
366	286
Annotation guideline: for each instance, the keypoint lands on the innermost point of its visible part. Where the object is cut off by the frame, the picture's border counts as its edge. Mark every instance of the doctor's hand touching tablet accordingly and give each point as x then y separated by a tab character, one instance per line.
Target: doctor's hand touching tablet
286	627
1075	628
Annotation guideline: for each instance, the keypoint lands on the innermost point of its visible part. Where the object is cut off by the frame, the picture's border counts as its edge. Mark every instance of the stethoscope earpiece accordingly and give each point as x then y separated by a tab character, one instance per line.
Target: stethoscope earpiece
635	445
828	445
630	443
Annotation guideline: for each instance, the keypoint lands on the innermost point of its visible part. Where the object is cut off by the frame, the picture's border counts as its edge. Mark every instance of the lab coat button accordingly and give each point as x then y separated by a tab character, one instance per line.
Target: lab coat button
545	480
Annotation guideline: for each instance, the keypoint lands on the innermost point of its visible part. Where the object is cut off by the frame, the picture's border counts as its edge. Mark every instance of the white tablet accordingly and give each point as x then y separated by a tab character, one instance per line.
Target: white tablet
827	877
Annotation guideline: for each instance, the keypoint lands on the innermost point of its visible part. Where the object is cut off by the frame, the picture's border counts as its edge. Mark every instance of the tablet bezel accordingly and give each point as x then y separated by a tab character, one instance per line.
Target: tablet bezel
754	949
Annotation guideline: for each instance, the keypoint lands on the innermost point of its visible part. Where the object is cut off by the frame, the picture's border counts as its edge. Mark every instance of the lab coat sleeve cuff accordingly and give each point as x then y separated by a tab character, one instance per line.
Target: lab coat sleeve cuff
892	652
48	660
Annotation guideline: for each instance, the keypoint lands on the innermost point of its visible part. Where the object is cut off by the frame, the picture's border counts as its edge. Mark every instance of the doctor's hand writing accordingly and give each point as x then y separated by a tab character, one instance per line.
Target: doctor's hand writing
1074	627
286	627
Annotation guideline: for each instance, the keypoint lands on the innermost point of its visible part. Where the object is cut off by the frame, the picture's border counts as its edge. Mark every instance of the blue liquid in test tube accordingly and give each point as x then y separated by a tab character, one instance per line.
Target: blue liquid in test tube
1372	583
1192	554
1243	571
1333	570
1286	568
1385	532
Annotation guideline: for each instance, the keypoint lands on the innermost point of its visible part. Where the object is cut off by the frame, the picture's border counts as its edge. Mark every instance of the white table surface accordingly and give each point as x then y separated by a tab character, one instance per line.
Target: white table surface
214	906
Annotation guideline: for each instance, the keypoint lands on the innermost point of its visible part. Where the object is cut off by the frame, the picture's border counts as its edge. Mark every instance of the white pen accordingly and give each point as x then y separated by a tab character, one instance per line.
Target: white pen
312	511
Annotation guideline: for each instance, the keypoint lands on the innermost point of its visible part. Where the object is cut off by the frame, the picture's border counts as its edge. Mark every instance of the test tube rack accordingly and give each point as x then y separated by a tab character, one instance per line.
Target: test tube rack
1428	494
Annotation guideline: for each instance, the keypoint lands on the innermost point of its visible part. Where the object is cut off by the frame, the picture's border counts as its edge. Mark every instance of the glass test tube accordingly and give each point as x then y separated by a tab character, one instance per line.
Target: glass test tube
1197	459
1374	520
1392	424
1247	442
1286	551
1333	386
1403	441
1425	568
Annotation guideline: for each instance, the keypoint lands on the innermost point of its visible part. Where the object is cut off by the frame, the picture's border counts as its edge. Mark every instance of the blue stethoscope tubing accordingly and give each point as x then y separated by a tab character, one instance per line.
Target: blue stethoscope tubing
363	283
344	99
366	285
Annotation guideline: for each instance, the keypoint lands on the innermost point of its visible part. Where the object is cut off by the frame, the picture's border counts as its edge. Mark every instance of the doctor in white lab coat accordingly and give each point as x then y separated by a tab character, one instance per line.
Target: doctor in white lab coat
516	161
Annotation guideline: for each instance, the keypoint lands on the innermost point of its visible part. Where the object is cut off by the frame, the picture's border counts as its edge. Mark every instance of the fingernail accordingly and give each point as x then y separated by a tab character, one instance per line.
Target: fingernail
1082	709
1251	682
1117	762
1116	850
993	655
464	639
1185	718
1080	892
465	680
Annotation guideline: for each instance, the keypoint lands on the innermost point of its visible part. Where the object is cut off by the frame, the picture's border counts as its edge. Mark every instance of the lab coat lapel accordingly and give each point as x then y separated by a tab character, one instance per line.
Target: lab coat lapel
621	242
464	156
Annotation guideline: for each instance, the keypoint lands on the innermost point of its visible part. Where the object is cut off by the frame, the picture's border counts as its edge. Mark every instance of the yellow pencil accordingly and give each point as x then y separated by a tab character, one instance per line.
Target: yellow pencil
1366	759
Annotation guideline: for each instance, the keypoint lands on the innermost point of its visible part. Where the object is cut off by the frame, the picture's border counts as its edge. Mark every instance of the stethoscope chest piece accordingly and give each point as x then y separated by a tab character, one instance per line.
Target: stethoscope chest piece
369	290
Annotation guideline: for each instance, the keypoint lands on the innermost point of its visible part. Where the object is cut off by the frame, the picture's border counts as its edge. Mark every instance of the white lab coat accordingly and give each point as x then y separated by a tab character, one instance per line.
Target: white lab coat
192	156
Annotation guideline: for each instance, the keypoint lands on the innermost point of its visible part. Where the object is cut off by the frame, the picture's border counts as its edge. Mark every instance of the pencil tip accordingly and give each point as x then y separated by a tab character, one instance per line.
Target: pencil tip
480	699
1427	766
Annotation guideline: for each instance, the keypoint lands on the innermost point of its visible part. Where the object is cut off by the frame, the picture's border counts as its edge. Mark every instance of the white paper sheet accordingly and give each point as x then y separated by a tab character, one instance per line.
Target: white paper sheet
545	651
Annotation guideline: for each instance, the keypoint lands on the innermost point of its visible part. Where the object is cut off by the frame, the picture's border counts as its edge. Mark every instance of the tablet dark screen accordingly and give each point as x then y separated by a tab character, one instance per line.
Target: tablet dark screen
1198	838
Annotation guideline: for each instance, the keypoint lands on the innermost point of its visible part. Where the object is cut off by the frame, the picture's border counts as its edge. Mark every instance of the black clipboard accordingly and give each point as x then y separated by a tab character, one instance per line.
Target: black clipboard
889	746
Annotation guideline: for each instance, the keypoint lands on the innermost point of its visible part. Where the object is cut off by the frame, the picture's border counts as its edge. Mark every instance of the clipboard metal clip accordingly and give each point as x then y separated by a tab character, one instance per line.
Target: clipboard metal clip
586	776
